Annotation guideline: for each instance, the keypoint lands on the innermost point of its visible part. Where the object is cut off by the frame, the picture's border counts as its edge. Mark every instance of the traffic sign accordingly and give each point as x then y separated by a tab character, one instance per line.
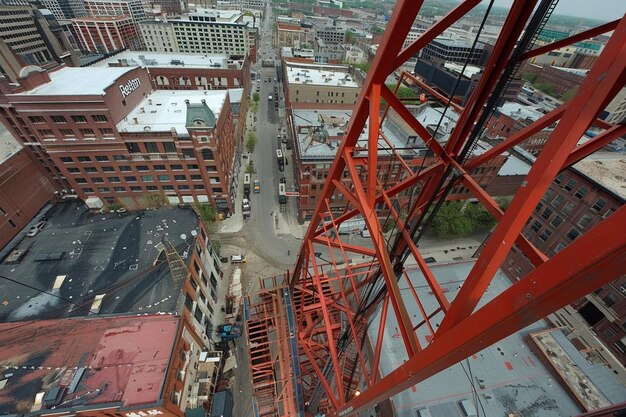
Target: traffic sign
292	194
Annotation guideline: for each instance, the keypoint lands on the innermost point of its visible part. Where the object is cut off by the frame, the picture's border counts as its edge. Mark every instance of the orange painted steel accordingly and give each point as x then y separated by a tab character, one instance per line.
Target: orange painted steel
339	286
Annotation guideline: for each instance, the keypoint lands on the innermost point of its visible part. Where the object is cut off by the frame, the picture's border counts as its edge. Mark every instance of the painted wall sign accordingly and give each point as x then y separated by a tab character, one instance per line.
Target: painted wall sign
129	87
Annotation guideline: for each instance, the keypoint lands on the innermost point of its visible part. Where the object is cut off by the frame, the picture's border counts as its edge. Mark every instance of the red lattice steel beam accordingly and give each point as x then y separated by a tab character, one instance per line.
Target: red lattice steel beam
337	302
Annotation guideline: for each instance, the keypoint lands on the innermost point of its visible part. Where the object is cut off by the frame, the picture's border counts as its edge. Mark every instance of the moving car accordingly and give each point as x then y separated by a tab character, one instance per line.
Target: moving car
33	231
269	98
237	259
257	186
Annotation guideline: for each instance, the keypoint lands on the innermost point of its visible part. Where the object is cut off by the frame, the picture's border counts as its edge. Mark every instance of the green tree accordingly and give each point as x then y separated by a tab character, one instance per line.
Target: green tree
208	215
376	30
531	78
249	169
350	37
569	94
546	87
364	67
254	107
256	97
251	142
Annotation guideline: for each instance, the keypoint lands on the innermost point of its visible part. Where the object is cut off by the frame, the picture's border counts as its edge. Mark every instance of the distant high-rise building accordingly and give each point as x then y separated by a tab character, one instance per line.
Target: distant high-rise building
205	31
65	9
105	34
131	8
29	36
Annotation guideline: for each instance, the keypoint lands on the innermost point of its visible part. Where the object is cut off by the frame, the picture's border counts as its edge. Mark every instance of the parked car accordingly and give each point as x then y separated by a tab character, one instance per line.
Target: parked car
237	259
257	186
33	231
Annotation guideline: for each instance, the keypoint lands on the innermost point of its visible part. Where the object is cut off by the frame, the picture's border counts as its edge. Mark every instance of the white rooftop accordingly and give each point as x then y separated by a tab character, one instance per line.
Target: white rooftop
469	71
70	81
8	144
519	111
164	59
163	110
311	74
320	132
606	168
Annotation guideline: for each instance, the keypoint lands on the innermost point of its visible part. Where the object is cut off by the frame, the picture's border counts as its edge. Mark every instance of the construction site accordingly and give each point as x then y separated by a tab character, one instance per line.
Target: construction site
379	330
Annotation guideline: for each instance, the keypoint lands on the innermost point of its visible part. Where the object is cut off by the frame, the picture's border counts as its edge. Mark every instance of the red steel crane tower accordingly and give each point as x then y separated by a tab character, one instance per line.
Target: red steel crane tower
335	299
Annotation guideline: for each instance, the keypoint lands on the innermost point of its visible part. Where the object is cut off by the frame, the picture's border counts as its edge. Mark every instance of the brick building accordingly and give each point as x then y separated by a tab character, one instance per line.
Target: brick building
24	189
106	34
103	367
318	85
562	81
110	136
131	8
512	117
576	201
318	132
294	35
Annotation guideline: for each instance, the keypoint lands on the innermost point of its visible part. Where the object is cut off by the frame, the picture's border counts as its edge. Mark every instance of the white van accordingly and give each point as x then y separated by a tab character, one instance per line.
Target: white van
237	259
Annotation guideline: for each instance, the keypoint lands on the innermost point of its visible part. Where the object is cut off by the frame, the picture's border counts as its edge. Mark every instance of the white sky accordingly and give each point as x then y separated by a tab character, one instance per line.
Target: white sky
595	9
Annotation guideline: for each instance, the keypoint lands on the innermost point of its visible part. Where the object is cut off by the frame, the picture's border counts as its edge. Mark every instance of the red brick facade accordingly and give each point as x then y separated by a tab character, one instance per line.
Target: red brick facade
76	138
24	190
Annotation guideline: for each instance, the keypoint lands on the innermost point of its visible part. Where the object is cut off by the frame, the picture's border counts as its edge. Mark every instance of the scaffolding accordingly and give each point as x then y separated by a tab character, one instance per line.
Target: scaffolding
270	332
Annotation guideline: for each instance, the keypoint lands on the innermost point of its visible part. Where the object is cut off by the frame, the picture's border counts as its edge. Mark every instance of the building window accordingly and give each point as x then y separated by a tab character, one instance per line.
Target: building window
573	234
46	132
97	180
151	147
559	247
130	179
67	132
147	178
192	167
152	188
599	205
608	333
559	178
142	167
87	132
135	189
170	147
119	189
176	167
556	221
568	207
582	191
102	158
66	159
207	154
569	186
547	213
584	221
125	168
164	177
106	131
84	159
536	226
558	200
183	187
80	180
108	169
58	119
91	170
87	190
73	170
37	119
114	179
79	119
545	235
610	299
198	187
159	167
180	178
99	118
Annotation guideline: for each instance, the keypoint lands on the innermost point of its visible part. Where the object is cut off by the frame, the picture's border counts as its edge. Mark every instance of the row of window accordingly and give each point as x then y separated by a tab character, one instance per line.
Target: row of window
197	187
97	118
128	168
144	178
